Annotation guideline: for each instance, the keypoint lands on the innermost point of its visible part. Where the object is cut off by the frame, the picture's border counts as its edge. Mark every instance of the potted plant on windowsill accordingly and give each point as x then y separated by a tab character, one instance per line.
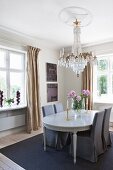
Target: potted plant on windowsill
9	101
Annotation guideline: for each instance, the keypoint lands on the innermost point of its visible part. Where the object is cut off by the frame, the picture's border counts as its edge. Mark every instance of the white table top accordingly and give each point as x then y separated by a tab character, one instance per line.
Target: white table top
77	121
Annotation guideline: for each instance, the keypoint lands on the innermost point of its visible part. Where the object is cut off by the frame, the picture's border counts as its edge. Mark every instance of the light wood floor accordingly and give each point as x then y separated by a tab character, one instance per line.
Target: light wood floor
16	137
6	163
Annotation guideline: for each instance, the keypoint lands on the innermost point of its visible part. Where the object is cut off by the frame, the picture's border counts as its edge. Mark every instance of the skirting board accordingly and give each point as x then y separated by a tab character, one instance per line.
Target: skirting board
12	122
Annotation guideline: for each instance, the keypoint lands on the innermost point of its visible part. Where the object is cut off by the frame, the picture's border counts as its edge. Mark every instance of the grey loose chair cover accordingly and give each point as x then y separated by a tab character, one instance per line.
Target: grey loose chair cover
51	136
58	107
89	143
54	138
63	137
105	129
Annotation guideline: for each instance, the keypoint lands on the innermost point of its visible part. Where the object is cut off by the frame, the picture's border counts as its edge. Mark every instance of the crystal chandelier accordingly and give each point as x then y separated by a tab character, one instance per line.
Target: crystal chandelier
76	60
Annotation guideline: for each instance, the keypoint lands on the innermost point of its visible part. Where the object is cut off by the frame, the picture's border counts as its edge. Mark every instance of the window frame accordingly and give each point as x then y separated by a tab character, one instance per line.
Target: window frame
9	70
107	98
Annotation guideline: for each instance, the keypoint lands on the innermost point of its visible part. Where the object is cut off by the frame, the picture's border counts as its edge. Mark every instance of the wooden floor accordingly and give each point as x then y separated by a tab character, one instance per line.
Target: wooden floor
6	163
14	138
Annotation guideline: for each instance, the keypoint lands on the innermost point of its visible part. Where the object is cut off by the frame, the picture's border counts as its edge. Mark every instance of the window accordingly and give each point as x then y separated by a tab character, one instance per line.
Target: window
12	74
103	79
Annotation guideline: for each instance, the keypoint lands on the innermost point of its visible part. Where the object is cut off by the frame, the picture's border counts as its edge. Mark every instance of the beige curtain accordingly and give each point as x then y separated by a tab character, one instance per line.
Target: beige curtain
87	83
33	103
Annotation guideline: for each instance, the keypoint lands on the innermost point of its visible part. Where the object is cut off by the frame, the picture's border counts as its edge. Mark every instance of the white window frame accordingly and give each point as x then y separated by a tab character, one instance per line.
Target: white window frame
107	98
8	70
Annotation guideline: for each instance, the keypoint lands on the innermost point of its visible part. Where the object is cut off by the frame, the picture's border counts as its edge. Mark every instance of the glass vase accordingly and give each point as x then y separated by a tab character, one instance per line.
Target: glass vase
83	103
77	105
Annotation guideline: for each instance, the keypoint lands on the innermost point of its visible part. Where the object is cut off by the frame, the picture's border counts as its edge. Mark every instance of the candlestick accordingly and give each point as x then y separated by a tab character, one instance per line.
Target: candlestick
67	104
67	118
86	104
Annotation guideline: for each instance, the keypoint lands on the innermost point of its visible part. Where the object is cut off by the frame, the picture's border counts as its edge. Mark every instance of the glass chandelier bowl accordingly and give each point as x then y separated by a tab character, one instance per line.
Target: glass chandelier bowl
76	60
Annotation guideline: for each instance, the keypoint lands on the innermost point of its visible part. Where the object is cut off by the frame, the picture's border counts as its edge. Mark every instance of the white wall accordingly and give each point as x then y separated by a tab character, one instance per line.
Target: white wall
71	82
99	49
48	54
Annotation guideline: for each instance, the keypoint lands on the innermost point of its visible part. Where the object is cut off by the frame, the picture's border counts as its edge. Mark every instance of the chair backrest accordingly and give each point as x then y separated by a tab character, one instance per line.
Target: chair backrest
96	132
58	107
105	127
96	129
48	110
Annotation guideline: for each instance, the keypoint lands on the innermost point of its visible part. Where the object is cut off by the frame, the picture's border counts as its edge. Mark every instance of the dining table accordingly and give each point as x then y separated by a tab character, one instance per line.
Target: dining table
75	122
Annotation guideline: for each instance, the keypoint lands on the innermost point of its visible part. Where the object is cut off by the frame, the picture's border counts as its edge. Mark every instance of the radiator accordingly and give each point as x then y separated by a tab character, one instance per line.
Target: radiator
12	122
101	106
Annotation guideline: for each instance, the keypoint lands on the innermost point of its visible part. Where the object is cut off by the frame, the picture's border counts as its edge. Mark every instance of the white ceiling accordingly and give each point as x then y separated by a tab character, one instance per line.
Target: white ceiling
39	19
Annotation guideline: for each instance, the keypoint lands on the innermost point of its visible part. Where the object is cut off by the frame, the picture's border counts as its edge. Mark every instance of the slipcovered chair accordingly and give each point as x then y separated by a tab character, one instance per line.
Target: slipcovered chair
63	137
48	110
51	136
58	107
105	129
54	138
89	143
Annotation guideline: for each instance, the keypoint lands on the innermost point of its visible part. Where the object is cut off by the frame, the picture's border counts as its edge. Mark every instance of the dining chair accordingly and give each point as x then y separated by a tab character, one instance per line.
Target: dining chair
48	110
51	136
89	143
105	129
58	107
63	137
54	139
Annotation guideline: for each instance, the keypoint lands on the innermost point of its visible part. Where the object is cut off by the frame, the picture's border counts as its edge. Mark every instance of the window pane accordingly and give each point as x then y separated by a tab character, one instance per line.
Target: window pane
16	61
3	86
102	85
17	83
111	63
112	84
102	65
2	58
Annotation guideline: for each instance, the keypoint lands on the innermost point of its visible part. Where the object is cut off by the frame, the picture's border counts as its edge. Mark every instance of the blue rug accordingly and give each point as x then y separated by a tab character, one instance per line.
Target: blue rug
30	155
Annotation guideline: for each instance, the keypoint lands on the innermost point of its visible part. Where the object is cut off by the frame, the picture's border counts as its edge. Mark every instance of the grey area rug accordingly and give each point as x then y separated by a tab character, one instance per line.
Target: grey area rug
30	155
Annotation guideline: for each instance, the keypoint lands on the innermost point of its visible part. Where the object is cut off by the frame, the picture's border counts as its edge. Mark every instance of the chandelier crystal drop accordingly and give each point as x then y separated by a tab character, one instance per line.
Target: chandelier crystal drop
76	60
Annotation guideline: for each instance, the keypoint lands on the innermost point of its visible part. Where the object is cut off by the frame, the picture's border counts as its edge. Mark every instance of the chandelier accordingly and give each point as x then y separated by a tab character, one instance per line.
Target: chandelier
76	60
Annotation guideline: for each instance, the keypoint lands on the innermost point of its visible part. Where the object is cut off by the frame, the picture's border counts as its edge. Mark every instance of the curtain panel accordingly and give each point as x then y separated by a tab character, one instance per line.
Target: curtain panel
87	83
33	119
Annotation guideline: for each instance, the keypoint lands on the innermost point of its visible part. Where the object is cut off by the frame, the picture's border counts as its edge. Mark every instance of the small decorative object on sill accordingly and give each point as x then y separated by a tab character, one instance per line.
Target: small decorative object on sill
9	101
18	97
1	98
78	101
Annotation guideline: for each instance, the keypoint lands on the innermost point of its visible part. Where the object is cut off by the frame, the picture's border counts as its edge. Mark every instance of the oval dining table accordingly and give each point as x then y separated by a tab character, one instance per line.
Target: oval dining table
75	122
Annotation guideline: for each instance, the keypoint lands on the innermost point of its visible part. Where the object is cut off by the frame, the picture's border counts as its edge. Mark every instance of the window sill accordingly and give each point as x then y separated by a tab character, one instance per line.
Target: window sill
103	102
6	108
